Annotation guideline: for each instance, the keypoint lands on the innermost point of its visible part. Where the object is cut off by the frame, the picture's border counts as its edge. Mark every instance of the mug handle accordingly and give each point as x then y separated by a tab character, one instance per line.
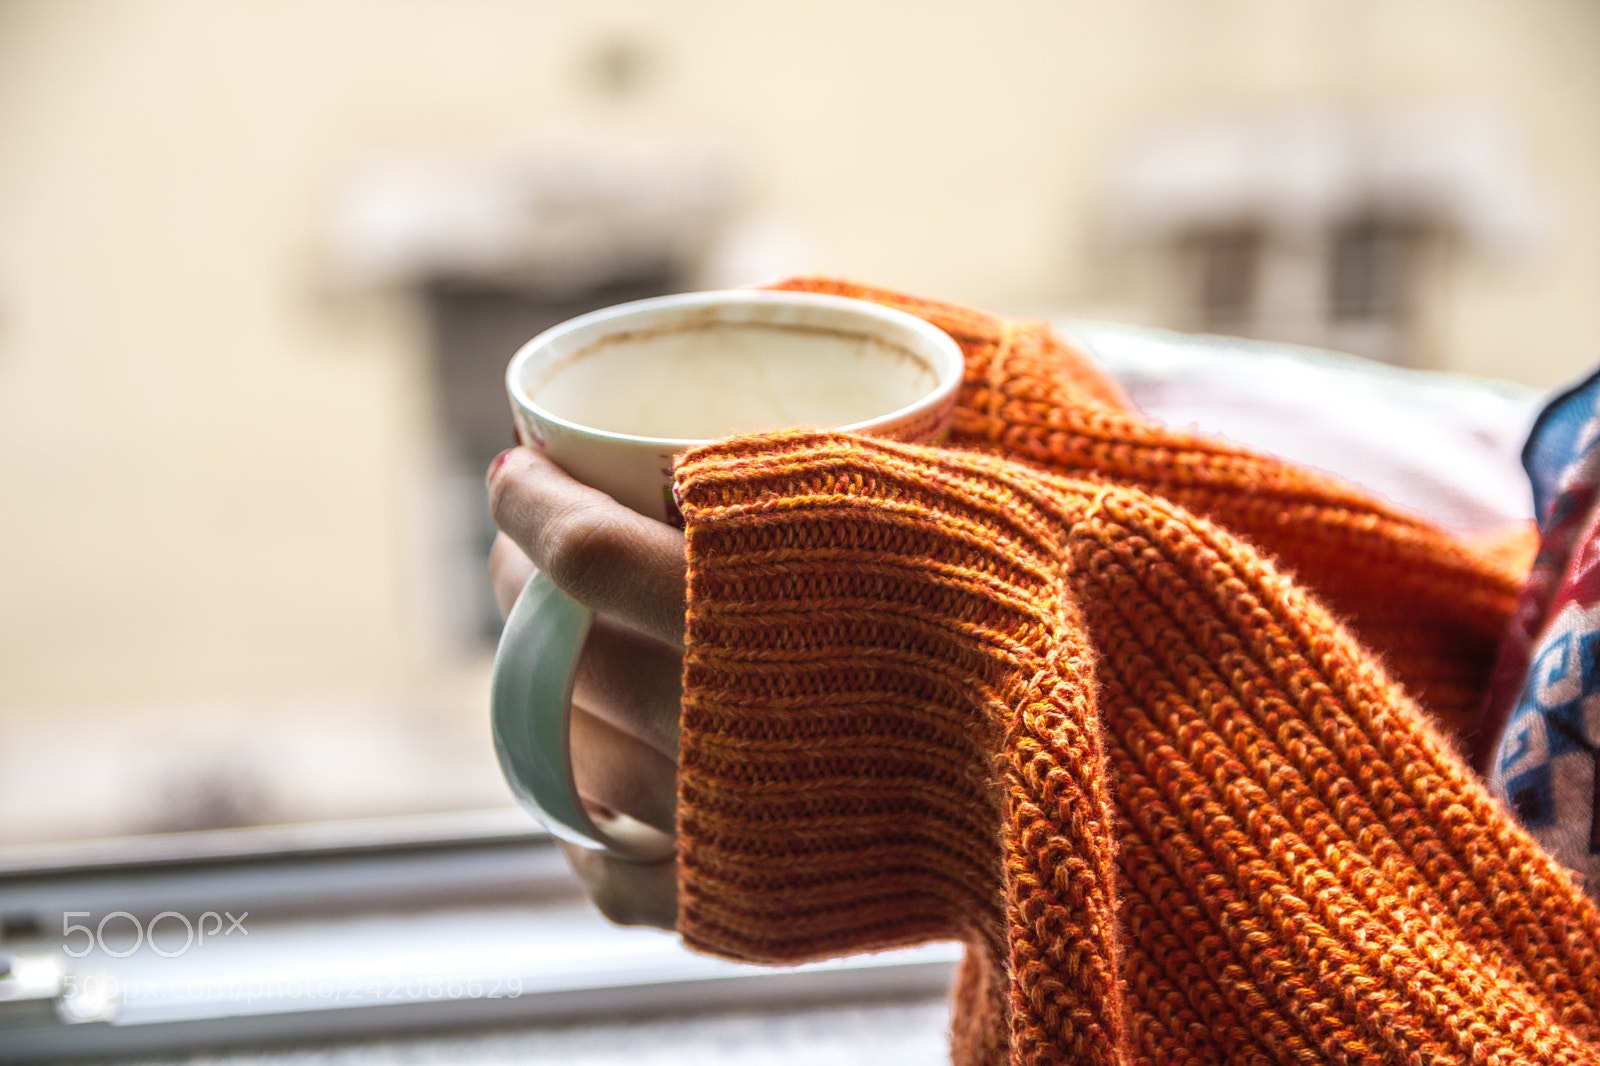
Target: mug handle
530	701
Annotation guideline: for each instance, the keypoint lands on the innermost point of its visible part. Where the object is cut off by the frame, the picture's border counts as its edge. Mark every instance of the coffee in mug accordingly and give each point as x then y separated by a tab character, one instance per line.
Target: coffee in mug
614	395
714	379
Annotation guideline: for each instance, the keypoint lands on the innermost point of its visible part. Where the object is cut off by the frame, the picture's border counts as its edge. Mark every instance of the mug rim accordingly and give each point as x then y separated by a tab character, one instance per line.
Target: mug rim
948	380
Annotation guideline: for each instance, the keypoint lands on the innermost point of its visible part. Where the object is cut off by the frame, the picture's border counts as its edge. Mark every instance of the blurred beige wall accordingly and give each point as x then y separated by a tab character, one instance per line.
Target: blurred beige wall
216	455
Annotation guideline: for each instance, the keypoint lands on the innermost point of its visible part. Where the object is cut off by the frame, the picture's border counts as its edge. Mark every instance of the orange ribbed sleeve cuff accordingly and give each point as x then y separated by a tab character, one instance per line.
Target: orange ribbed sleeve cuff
849	648
860	631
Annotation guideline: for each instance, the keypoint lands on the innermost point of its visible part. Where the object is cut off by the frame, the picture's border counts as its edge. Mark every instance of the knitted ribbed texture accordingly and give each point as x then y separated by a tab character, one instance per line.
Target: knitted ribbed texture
1177	812
1436	610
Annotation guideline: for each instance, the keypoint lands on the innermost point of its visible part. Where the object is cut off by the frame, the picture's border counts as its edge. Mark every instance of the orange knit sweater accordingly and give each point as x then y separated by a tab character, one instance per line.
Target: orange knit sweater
1180	806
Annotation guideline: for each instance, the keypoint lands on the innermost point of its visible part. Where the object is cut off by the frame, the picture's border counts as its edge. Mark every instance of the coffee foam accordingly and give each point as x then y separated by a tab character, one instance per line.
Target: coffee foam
716	379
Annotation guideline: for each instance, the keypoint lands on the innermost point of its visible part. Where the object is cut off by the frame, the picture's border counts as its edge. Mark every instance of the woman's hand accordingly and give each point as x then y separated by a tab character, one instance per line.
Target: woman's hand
630	571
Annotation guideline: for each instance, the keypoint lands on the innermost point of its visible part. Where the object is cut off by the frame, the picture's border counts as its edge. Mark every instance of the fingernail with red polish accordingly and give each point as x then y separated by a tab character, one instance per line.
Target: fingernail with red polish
499	461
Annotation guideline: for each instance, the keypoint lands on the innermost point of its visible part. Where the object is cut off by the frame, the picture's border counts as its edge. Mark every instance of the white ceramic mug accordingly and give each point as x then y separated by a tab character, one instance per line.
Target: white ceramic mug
613	396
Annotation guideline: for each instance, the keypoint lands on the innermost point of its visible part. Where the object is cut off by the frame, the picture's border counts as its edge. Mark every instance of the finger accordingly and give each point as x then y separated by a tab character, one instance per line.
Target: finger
628	893
632	682
622	774
509	571
599	552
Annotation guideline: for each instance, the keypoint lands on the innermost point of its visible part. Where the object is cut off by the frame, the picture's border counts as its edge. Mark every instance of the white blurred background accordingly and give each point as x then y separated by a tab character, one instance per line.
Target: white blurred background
262	263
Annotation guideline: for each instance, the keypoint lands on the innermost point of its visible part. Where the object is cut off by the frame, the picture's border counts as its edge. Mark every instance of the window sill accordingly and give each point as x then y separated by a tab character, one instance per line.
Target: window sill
358	928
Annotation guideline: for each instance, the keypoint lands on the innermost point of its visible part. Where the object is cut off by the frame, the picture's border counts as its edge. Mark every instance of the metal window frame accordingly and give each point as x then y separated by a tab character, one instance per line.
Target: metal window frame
442	887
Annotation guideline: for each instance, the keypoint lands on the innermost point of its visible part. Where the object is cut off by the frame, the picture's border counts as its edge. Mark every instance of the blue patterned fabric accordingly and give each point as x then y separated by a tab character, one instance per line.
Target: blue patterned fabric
1545	763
